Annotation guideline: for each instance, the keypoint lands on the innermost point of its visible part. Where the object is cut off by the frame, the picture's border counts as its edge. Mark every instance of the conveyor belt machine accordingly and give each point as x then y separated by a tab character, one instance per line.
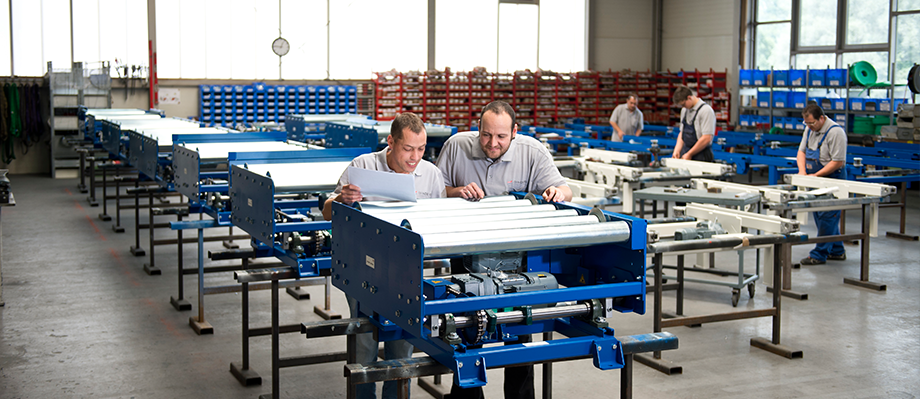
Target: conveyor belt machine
540	268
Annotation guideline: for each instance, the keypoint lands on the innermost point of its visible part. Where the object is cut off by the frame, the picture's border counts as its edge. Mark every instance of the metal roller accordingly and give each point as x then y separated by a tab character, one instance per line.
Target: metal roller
431	202
456	206
424	222
477	242
397	217
442	228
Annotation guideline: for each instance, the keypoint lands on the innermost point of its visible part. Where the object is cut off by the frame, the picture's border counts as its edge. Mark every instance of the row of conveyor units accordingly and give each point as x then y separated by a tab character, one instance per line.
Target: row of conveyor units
531	267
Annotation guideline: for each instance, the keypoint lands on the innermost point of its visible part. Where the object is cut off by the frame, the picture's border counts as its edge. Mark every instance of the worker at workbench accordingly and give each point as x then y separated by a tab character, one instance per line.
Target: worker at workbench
823	152
405	147
697	127
626	119
497	161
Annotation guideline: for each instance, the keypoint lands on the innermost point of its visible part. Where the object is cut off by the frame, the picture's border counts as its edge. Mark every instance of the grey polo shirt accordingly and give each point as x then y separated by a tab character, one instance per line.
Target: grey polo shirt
428	180
705	122
834	147
527	165
629	122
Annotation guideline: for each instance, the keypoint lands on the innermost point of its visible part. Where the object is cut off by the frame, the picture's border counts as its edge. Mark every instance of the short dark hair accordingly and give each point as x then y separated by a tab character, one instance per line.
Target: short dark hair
499	107
814	110
681	93
406	120
632	95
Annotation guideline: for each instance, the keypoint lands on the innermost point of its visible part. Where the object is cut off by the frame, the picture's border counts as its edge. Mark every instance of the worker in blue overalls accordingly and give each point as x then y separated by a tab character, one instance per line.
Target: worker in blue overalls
823	152
697	127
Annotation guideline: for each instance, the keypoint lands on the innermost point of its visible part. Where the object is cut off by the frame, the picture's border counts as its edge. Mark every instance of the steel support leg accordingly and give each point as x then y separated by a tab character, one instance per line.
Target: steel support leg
92	183
199	324
82	186
136	250
655	360
774	345
117	227
242	372
864	258
179	302
104	216
326	312
151	267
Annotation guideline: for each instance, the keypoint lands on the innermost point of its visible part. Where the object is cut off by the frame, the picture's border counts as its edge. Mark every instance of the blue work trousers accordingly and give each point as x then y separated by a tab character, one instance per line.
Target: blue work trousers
366	352
828	224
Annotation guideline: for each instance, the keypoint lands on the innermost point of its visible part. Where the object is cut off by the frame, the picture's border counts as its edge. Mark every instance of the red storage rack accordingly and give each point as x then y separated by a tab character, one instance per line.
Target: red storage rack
543	97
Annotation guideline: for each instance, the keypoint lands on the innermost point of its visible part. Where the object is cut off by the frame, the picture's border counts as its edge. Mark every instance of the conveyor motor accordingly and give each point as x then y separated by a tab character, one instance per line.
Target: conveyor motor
703	229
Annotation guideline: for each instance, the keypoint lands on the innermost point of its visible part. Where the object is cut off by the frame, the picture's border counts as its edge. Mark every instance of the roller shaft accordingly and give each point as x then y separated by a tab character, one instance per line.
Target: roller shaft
517	316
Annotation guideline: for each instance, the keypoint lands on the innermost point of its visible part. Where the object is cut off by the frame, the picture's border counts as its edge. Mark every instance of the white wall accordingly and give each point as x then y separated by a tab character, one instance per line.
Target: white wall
620	35
697	34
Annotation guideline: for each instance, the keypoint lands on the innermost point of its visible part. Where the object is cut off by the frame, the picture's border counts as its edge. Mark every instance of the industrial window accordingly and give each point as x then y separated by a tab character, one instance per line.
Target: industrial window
907	45
456	44
562	35
908	5
510	37
867	22
6	65
368	36
517	37
816	61
817	23
772	46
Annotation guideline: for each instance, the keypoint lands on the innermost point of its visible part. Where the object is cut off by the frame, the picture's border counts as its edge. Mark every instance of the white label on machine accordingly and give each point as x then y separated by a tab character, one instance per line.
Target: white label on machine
538	343
369	261
249	202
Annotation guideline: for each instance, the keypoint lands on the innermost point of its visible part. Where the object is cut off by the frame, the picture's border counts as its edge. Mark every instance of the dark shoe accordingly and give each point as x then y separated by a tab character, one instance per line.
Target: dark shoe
811	261
837	257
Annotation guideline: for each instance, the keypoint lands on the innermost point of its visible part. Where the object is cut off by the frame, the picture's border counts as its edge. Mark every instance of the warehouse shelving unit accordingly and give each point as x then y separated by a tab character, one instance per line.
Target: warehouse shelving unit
231	105
68	89
843	109
542	97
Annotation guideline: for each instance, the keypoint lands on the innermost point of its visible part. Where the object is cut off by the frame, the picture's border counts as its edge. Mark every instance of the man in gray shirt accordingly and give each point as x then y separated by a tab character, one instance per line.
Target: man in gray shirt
627	119
697	127
823	152
405	147
496	160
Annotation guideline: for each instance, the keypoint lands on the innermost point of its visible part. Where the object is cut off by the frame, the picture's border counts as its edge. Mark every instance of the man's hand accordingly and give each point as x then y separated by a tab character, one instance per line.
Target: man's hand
554	194
687	157
350	194
472	192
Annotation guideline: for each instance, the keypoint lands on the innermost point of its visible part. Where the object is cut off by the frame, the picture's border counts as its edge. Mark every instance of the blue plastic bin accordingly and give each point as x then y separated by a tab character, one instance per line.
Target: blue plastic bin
745	77
781	99
857	104
817	77
778	122
790	123
763	99
797	98
797	77
760	77
780	78
837	77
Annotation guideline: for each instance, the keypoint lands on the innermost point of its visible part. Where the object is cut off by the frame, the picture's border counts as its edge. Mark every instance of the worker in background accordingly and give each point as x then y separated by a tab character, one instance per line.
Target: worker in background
497	161
823	152
405	147
697	127
627	119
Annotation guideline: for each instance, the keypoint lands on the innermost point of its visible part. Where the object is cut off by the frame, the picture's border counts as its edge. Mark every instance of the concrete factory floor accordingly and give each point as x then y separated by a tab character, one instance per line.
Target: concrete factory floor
82	319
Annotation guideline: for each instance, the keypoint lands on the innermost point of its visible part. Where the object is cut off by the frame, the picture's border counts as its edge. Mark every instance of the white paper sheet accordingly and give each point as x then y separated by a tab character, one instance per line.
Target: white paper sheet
397	186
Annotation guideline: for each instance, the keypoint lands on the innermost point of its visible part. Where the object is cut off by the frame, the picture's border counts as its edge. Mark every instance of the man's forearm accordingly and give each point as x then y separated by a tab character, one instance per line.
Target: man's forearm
453	191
